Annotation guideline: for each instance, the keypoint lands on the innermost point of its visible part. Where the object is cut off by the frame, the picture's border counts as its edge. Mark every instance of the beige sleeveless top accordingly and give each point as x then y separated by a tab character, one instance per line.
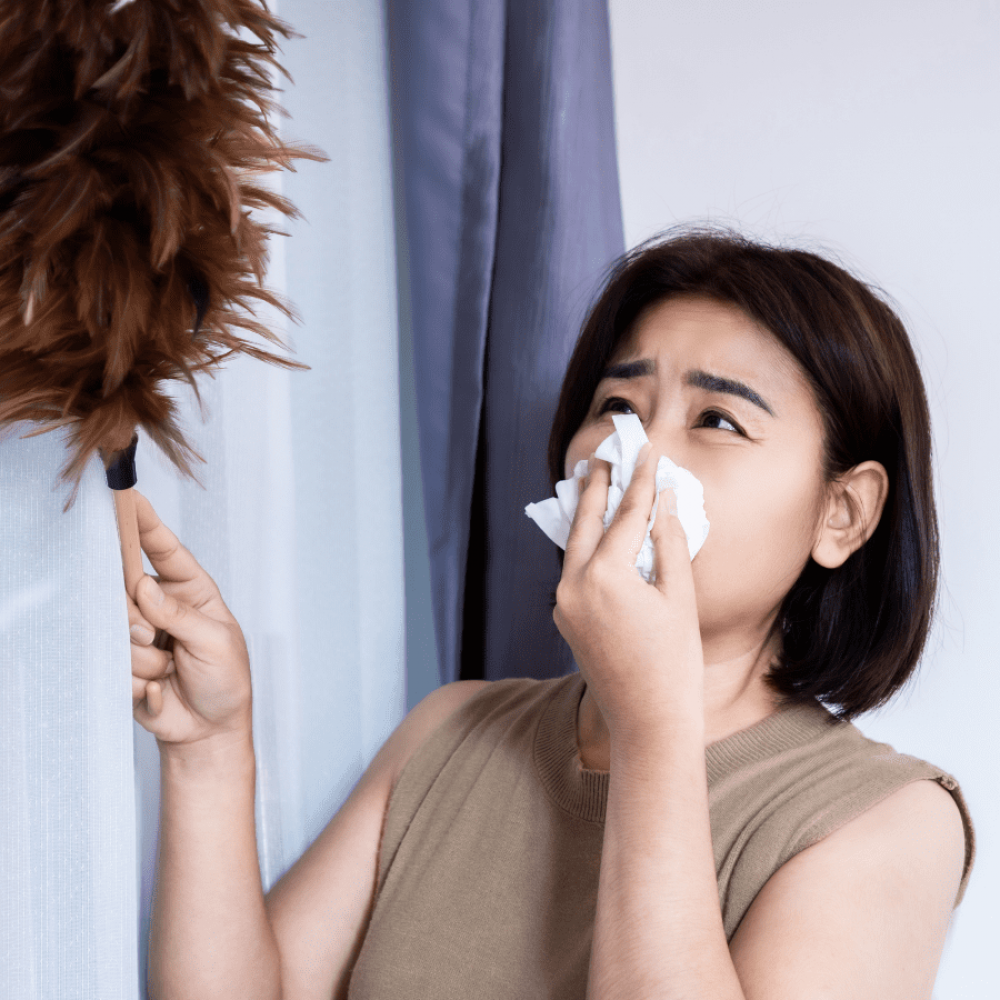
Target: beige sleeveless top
491	850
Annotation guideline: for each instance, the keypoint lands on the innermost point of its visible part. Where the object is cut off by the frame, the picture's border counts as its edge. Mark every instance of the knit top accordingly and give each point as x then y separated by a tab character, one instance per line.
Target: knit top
491	849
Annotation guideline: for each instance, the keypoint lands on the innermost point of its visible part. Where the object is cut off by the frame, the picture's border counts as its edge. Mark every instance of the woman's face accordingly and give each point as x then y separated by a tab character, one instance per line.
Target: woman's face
759	458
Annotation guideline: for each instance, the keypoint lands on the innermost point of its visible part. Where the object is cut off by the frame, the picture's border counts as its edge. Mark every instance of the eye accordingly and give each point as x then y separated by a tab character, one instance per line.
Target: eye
612	403
718	421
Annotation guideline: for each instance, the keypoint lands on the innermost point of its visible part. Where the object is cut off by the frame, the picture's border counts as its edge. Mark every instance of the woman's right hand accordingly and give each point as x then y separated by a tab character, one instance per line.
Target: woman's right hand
205	691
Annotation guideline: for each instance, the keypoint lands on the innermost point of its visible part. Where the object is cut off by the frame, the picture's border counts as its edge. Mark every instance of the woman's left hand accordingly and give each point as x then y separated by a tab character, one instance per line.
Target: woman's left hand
638	645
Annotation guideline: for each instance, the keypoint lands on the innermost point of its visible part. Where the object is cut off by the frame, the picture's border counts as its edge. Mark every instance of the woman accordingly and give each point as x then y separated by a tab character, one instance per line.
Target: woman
682	817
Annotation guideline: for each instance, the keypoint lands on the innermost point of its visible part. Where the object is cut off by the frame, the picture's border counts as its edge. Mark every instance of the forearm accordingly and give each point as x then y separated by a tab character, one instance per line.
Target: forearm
210	935
658	931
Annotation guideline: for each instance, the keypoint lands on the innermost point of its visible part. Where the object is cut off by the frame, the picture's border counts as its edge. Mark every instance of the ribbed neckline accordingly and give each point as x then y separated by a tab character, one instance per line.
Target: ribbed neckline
584	793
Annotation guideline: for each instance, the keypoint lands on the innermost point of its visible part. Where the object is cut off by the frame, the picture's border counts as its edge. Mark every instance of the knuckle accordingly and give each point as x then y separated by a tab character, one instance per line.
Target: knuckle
598	575
147	662
564	596
628	503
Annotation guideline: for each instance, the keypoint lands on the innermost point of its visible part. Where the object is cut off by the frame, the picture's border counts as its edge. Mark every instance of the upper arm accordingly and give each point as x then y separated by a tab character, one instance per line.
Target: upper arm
863	913
320	908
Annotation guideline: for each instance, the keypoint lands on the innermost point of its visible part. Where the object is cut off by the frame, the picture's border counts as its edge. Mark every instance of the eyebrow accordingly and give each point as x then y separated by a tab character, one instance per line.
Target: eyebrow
631	369
644	367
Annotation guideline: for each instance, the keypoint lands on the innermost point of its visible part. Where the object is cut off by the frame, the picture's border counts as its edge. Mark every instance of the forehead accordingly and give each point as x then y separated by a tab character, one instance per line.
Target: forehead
694	331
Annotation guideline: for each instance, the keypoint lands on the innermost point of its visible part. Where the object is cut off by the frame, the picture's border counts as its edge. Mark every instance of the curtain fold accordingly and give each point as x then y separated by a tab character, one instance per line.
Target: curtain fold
560	227
504	120
446	73
297	516
68	868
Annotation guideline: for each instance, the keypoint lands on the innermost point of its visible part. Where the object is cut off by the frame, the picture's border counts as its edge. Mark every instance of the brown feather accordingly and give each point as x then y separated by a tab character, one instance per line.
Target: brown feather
132	140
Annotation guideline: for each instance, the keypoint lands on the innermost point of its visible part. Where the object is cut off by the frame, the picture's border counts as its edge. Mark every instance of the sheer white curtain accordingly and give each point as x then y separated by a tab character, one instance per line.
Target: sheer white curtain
68	886
299	523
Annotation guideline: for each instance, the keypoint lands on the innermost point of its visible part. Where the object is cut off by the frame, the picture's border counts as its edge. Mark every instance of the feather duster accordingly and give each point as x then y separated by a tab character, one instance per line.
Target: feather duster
133	136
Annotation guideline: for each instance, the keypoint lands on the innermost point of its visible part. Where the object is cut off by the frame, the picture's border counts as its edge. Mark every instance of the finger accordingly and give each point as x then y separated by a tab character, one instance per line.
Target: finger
140	686
140	710
149	662
154	697
171	560
587	529
200	634
627	530
140	631
671	555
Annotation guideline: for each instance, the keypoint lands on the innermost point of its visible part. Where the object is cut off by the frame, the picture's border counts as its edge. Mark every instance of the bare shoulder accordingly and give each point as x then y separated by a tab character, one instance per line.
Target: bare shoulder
927	812
425	717
864	912
919	822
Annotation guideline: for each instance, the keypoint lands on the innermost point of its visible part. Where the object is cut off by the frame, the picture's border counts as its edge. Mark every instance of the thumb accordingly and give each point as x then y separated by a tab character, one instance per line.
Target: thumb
671	555
173	616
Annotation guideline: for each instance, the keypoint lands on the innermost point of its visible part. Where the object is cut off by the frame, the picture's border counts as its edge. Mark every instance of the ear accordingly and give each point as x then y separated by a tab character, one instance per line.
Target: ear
851	513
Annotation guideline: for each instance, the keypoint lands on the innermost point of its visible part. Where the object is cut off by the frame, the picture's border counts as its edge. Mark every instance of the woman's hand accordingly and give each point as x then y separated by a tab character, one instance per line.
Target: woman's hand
638	645
201	687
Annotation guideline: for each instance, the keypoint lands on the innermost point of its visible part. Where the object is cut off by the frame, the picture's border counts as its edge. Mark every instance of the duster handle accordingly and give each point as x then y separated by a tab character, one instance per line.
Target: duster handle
121	478
128	536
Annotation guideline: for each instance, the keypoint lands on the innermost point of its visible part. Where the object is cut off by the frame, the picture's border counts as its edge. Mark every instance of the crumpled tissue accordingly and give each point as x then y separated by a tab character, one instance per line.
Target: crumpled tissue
555	515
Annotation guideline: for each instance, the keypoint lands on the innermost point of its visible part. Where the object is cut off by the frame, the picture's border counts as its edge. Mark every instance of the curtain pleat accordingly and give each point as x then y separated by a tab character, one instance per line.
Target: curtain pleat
446	71
504	123
560	226
68	887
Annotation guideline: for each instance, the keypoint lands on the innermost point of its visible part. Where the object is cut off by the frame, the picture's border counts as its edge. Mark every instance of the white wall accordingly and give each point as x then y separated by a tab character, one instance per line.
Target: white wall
868	130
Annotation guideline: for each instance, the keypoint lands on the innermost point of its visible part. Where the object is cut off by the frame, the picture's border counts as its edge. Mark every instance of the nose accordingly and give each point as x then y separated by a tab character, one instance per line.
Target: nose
665	439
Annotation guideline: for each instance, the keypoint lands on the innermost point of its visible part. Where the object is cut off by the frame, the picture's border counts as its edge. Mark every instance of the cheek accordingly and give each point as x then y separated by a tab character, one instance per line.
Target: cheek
760	537
582	445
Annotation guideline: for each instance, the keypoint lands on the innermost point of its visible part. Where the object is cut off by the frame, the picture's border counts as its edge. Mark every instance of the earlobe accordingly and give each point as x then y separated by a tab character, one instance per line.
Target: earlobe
851	514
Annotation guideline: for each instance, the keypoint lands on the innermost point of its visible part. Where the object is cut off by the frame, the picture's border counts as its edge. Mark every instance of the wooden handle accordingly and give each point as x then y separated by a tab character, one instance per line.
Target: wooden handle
128	529
128	536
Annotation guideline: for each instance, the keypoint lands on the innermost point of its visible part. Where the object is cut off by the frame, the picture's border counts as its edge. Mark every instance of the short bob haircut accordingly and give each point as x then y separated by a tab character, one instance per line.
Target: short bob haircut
852	636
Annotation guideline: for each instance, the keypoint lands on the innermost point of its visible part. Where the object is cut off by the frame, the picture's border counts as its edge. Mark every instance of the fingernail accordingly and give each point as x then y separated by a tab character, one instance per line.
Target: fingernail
141	635
643	453
671	501
155	593
590	462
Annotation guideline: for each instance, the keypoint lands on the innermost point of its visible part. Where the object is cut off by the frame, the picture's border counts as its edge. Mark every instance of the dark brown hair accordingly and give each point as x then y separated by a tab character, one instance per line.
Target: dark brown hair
852	636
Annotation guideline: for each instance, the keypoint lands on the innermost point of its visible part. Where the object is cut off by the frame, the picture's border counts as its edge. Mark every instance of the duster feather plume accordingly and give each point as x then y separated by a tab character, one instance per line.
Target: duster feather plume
132	138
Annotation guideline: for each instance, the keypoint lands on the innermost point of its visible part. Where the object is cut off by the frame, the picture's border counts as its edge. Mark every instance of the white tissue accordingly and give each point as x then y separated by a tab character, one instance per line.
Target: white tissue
555	515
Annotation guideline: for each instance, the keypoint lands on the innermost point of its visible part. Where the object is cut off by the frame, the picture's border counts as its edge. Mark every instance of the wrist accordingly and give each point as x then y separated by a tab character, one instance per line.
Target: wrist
672	731
229	753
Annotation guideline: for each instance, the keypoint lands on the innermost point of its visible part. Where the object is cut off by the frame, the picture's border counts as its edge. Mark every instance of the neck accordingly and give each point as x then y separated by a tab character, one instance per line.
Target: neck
736	697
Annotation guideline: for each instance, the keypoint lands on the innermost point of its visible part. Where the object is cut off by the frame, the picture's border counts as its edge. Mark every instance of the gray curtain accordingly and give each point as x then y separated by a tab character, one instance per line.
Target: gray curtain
505	156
